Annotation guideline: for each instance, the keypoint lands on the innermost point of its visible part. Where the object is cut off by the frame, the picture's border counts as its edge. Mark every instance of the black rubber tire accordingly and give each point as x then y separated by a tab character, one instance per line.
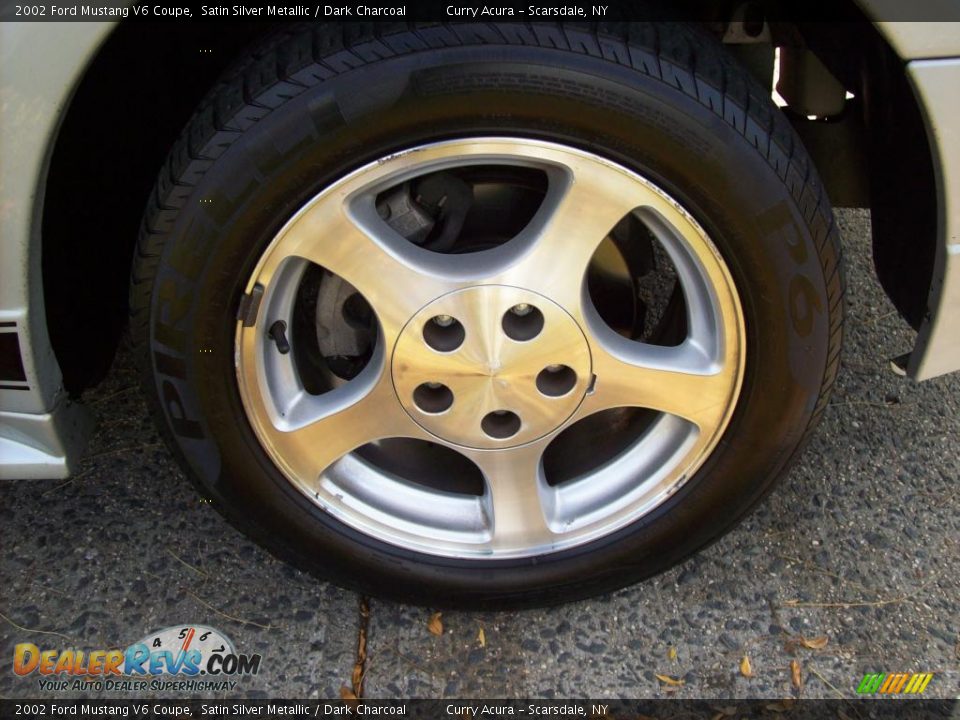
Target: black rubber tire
313	103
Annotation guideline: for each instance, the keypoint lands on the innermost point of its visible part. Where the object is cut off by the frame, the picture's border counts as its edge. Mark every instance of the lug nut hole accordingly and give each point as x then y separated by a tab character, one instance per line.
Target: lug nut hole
556	380
501	424
444	333
522	322
433	398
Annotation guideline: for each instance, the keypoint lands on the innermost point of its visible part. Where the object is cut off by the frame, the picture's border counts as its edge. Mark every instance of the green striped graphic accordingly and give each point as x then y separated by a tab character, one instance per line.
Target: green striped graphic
871	683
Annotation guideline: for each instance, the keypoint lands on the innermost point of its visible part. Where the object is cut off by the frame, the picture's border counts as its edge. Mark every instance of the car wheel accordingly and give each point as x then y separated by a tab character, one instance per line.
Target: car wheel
477	314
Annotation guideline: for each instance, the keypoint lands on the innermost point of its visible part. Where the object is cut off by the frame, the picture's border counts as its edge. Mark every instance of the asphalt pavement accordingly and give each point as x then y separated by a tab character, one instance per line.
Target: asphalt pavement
852	565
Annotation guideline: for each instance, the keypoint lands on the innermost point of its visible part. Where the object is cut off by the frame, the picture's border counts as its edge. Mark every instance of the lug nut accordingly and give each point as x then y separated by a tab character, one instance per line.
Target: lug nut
522	322
433	398
443	333
556	380
501	424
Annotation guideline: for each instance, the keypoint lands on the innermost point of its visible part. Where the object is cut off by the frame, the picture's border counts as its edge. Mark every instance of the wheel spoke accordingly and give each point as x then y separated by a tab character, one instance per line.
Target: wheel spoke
518	498
678	380
582	206
316	431
351	242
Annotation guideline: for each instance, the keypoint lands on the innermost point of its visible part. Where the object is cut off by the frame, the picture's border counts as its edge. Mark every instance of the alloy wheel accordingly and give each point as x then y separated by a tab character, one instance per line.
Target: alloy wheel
492	355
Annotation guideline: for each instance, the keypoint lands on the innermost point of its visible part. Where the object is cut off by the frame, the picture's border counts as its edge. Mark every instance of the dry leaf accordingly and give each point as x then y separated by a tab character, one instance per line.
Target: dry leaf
672	653
816	643
346	693
673	682
362	645
745	668
357	677
435	624
482	638
795	676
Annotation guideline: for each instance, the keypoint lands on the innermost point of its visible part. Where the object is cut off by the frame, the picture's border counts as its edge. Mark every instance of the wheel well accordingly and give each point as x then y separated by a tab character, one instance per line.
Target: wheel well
133	101
142	87
877	154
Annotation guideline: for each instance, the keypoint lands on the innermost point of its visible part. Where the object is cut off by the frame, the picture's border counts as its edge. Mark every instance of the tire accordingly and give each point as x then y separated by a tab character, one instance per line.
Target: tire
313	105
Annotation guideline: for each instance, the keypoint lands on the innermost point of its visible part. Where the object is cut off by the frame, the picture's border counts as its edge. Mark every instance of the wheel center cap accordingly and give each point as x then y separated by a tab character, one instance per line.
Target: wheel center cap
491	366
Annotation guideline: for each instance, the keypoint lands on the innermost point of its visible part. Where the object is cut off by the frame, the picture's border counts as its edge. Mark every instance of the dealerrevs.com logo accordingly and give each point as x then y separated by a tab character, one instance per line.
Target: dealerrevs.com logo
199	658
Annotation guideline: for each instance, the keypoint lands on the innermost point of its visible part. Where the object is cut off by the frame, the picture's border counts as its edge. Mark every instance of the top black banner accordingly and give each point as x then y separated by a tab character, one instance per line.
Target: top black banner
470	11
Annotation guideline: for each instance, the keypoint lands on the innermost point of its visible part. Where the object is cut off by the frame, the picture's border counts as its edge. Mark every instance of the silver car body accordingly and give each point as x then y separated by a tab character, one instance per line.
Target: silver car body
42	431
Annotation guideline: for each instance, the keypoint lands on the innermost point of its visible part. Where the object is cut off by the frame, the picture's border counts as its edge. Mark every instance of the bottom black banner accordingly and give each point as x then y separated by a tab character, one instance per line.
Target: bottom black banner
855	709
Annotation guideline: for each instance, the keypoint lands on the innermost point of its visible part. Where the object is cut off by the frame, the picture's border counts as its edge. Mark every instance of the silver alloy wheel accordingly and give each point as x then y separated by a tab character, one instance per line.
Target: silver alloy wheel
484	396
